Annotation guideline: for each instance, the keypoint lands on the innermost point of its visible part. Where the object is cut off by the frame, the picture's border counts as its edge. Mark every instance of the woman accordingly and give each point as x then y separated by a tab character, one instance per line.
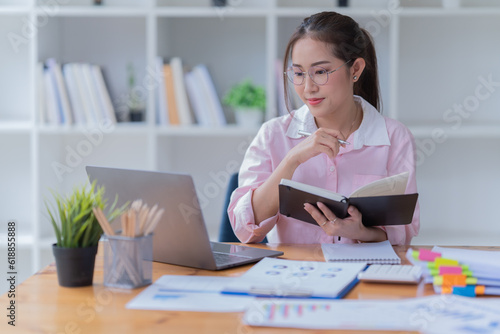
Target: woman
332	65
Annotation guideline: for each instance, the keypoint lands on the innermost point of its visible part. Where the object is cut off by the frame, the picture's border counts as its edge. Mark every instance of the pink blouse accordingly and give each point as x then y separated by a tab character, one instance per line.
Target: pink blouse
380	147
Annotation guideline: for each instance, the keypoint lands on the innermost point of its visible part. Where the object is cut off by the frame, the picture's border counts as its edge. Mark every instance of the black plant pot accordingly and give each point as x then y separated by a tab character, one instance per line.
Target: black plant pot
136	115
75	266
219	3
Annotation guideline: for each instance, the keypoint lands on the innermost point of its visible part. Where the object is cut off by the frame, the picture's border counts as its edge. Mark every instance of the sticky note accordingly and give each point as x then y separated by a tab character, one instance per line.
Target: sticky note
480	289
443	270
467	291
427	255
454	279
433	265
445	290
445	262
438	280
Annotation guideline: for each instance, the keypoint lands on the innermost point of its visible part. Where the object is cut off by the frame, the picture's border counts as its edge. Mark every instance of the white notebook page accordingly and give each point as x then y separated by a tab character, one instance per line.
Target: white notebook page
370	252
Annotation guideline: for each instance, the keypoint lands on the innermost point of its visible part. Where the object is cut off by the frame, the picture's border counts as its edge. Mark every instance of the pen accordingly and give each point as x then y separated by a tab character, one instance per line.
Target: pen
307	134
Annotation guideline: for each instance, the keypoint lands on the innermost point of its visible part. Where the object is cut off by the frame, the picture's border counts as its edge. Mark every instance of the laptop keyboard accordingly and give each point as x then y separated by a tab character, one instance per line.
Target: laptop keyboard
225	258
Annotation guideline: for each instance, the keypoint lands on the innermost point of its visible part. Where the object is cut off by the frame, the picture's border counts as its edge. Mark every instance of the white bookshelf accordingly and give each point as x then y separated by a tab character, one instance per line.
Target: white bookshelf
429	59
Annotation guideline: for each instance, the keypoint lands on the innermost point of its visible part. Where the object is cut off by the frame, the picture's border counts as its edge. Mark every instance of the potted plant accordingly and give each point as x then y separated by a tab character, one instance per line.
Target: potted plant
78	232
135	105
248	101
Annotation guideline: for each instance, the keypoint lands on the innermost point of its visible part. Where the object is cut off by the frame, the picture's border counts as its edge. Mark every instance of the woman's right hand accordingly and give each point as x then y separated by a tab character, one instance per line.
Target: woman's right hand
265	199
322	140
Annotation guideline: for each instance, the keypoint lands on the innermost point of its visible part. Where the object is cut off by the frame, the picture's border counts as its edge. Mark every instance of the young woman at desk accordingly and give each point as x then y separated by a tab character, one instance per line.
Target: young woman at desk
331	63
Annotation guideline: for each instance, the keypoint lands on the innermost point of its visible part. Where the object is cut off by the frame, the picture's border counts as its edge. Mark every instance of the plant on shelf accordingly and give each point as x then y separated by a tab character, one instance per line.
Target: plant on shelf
248	101
136	109
78	232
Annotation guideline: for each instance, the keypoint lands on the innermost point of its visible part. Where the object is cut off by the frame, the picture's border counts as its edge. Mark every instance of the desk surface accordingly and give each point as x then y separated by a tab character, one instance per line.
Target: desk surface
45	307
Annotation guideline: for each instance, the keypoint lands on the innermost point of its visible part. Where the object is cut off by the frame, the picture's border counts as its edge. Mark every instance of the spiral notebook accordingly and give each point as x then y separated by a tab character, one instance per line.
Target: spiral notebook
370	252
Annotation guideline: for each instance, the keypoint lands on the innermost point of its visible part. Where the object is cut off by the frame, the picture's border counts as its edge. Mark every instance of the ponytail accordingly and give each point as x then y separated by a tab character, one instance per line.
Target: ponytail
368	86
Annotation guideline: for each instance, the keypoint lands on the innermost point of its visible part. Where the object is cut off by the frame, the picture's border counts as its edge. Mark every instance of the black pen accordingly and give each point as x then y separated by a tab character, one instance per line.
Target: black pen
307	134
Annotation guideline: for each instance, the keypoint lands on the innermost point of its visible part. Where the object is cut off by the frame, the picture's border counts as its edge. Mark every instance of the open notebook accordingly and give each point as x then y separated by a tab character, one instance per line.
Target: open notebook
371	252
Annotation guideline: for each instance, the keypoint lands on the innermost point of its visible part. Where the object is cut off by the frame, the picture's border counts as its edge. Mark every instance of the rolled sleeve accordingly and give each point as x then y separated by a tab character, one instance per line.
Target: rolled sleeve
242	219
256	168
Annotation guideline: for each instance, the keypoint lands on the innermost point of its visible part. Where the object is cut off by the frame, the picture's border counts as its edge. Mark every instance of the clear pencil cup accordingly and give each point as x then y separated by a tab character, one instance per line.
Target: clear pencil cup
128	261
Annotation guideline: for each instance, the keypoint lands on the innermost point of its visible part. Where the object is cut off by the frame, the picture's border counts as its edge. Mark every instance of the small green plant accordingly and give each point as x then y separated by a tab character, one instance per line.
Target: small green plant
134	102
74	222
246	95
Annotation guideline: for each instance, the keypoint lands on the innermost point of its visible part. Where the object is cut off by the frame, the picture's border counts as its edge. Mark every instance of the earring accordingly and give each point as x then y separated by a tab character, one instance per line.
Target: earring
355	77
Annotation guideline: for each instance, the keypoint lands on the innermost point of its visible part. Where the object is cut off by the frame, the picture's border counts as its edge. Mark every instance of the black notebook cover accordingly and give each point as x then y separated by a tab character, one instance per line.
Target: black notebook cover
376	211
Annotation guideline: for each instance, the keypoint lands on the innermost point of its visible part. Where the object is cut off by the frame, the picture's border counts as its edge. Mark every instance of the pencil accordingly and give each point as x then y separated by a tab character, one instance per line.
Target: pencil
307	134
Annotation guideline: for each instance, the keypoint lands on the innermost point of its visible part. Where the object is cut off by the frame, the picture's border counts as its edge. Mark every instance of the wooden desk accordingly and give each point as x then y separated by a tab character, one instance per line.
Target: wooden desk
45	307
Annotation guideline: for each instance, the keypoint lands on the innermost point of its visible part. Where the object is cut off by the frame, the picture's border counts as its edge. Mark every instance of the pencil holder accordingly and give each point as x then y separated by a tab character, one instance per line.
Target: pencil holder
128	261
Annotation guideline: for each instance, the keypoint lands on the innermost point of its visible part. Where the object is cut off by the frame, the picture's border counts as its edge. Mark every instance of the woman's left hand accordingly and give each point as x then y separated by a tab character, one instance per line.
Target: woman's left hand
349	227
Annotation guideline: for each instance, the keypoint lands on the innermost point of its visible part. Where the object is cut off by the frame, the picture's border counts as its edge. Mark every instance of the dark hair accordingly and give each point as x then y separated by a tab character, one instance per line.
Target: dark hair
349	41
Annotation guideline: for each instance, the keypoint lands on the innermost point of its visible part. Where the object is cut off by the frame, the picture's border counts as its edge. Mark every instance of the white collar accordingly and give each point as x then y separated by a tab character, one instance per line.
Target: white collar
371	132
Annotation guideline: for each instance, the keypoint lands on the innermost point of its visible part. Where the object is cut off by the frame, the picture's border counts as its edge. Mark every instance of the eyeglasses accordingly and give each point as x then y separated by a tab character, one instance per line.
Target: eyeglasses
318	74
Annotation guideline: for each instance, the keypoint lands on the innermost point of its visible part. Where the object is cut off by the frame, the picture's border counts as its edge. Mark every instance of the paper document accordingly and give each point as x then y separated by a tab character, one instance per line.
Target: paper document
305	279
189	293
476	259
434	314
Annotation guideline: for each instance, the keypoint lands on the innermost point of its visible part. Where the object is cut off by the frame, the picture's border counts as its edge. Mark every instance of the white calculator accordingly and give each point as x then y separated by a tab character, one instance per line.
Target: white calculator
391	273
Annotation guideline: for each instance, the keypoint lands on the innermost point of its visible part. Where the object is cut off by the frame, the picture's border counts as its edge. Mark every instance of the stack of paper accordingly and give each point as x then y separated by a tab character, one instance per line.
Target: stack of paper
459	271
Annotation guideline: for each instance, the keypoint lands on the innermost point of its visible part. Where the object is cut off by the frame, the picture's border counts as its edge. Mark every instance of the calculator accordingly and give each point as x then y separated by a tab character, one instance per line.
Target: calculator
391	273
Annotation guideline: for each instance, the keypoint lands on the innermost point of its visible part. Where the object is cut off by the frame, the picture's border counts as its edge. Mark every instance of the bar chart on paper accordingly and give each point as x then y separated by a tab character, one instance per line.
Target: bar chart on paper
451	314
316	314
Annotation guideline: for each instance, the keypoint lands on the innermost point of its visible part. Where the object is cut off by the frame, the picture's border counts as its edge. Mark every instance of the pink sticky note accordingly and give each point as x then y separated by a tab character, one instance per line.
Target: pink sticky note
427	255
450	270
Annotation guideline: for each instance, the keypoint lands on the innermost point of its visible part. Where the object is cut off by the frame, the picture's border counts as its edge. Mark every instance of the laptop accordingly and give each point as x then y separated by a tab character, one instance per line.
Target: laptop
181	236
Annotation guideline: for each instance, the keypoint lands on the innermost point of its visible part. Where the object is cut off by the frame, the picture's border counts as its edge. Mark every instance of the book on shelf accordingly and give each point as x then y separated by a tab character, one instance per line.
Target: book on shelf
173	115
191	99
381	202
104	101
77	103
197	97
51	105
161	94
92	93
90	116
59	90
181	98
213	111
74	93
40	94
